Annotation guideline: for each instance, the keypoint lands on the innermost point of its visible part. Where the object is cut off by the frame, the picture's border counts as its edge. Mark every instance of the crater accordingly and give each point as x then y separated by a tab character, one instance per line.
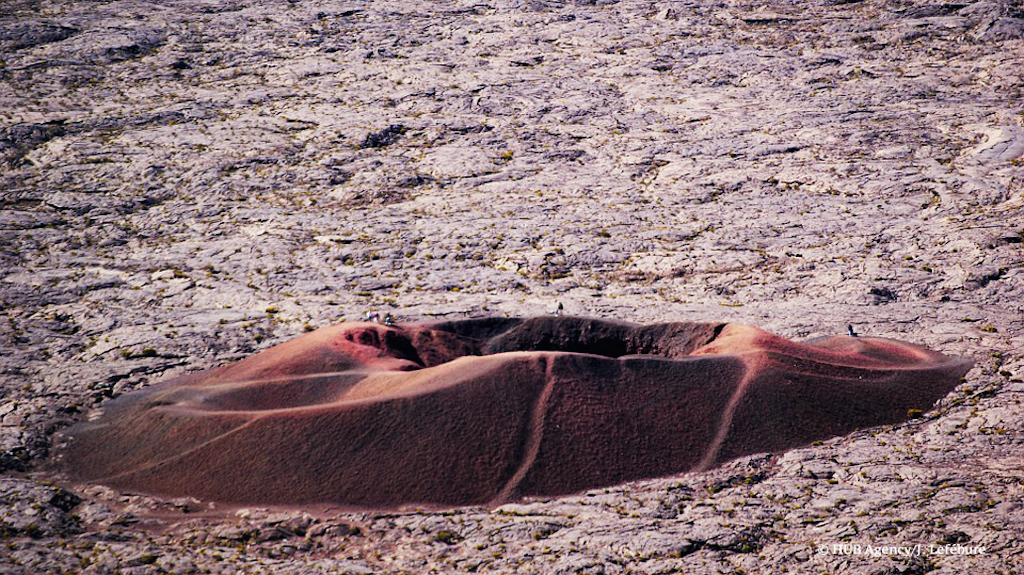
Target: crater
481	411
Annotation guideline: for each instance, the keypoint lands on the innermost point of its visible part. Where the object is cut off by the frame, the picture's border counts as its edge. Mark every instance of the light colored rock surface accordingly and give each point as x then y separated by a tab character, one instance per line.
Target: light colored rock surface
185	183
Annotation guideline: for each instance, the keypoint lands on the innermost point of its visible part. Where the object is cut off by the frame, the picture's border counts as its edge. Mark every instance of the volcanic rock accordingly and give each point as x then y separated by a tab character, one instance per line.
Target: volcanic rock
758	164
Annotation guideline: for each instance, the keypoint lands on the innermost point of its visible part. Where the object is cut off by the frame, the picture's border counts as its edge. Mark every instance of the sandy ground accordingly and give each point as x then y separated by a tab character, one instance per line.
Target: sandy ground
184	183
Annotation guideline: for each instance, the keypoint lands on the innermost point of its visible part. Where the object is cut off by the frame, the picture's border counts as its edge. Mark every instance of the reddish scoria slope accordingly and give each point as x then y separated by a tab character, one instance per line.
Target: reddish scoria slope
485	410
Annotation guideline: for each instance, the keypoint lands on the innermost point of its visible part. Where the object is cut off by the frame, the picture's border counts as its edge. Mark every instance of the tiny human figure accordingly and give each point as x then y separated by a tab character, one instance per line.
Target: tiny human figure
388	320
559	309
850	329
372	316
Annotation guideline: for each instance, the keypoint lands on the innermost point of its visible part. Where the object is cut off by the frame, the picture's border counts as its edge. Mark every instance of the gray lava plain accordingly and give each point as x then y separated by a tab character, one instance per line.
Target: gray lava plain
185	183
